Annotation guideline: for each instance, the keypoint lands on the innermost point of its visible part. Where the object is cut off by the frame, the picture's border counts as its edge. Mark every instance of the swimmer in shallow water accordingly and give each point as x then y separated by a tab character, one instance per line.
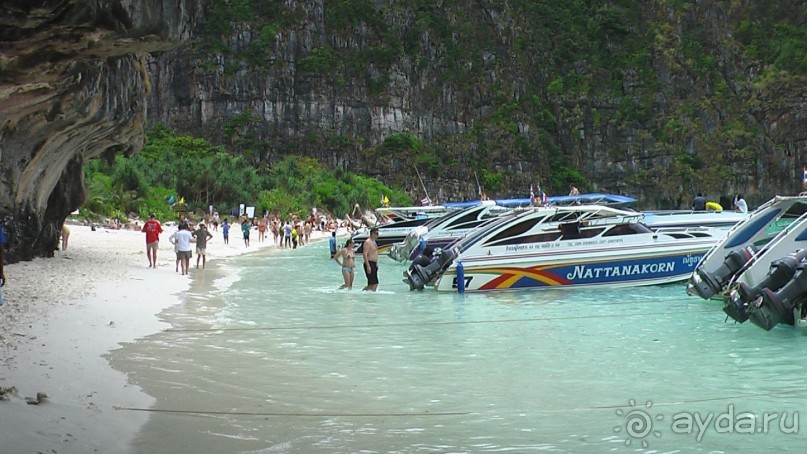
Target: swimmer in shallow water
348	263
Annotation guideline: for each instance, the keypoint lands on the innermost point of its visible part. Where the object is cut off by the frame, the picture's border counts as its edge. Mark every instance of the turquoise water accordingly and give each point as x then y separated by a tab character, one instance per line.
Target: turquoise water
267	356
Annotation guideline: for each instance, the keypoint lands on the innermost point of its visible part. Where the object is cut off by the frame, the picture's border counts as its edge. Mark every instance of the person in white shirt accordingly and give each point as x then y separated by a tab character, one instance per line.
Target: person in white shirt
182	239
740	205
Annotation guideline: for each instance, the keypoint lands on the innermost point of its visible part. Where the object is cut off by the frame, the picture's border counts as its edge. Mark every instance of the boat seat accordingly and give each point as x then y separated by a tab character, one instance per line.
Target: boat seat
570	230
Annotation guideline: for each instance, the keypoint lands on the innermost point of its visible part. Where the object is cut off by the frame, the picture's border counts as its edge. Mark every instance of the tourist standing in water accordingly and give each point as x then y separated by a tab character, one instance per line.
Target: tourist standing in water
348	263
370	255
332	244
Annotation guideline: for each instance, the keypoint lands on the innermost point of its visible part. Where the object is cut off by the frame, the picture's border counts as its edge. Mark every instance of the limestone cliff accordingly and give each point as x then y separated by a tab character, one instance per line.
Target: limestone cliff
72	87
657	99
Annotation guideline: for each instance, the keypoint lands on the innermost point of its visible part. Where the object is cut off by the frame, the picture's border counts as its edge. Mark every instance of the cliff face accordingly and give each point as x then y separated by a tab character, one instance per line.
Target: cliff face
72	87
657	99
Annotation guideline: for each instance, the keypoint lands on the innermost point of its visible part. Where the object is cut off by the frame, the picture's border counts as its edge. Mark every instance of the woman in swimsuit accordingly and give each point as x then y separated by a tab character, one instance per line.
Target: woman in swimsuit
348	263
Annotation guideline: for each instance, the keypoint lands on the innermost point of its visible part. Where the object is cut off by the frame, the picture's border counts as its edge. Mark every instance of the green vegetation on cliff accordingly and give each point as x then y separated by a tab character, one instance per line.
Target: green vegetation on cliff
203	174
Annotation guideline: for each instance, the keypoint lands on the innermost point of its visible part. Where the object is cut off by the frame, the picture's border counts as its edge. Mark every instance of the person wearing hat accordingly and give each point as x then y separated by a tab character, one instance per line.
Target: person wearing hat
153	229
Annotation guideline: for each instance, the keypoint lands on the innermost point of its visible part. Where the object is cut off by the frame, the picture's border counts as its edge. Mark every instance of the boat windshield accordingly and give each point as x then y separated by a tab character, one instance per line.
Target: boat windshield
485	229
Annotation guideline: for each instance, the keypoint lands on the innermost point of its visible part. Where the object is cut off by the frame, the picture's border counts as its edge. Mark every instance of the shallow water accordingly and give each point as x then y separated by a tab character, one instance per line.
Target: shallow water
267	356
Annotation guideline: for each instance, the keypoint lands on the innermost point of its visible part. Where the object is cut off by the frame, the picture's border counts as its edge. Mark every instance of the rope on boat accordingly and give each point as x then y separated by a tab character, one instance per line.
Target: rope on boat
312	415
433	323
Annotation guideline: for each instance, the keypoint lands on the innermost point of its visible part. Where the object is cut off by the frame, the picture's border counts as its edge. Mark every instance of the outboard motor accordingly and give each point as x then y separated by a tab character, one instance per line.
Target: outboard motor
780	273
777	307
400	251
707	285
426	268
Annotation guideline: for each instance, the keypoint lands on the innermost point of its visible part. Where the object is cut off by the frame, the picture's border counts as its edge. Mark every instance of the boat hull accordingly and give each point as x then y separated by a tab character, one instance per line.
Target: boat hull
611	269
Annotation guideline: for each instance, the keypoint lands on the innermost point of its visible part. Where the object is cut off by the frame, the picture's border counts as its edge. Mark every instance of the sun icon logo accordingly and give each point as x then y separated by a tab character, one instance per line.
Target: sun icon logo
638	423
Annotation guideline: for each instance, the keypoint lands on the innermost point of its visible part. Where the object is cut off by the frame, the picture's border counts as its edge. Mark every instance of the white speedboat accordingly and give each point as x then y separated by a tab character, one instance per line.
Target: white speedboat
444	231
685	218
573	246
756	268
742	243
394	224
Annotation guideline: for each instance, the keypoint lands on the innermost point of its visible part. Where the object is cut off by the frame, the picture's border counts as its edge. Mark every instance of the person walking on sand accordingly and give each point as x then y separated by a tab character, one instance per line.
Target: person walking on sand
261	229
202	235
370	255
245	230
183	239
275	231
287	235
153	230
348	263
2	260
65	236
225	231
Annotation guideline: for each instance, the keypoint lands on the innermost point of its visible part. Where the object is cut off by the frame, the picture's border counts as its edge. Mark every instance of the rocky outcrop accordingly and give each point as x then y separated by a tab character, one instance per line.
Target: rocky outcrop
73	85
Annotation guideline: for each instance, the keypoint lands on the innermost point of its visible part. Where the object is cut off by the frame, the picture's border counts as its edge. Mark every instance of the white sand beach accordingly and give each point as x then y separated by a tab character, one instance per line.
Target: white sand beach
61	315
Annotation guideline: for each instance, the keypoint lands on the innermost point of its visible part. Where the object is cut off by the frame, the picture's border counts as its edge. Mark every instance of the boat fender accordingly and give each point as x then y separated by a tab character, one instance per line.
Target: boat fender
713	206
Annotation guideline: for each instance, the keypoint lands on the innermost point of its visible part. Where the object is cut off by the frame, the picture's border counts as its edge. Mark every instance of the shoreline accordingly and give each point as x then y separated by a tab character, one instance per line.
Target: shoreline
60	318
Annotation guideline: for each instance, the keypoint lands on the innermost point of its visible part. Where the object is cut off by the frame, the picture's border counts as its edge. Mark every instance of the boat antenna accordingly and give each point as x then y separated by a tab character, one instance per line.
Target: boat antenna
478	187
424	186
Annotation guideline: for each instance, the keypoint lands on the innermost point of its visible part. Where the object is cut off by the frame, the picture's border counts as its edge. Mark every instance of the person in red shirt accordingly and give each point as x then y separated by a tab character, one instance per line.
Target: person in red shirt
153	229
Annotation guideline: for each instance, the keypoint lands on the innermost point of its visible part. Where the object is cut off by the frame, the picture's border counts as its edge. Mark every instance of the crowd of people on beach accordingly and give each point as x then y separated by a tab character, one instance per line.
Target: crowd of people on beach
289	233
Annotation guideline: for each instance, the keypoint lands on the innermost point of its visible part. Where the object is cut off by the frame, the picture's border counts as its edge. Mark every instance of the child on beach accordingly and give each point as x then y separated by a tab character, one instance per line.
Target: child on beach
225	230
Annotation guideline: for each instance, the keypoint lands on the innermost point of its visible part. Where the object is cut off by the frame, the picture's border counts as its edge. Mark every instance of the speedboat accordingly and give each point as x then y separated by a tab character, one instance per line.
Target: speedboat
742	243
444	231
394	224
572	246
685	218
757	268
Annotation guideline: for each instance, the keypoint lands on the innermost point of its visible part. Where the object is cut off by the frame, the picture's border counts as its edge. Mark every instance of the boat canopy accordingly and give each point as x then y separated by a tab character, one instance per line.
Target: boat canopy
582	199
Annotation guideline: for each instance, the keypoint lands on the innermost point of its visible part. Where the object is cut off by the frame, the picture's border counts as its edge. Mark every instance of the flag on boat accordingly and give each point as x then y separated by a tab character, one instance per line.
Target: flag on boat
425	201
541	196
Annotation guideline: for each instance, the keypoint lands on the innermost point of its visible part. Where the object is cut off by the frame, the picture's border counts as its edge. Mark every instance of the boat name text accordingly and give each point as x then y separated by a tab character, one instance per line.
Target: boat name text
586	272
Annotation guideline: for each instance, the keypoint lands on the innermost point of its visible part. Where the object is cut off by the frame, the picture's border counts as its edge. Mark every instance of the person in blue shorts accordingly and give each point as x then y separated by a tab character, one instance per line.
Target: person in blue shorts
225	230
